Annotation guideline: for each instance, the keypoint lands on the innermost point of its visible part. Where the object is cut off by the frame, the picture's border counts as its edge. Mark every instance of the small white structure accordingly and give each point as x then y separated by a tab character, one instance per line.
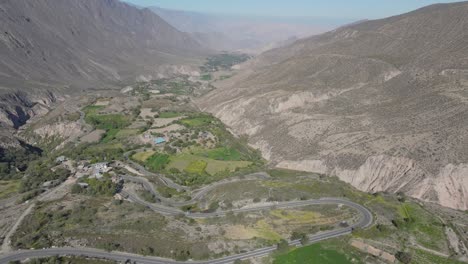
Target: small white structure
61	159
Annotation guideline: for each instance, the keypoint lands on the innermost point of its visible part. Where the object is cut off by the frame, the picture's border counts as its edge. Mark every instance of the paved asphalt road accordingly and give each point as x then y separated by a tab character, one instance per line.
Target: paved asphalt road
364	221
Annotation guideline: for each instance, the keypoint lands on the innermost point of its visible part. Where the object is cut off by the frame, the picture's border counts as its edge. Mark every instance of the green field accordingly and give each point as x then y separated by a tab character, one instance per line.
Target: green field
200	121
110	135
196	167
206	77
226	154
323	253
9	188
124	133
157	162
142	156
182	161
105	121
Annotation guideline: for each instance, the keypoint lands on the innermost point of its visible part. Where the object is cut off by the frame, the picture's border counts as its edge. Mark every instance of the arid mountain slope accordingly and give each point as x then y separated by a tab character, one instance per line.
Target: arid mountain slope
382	104
49	48
83	43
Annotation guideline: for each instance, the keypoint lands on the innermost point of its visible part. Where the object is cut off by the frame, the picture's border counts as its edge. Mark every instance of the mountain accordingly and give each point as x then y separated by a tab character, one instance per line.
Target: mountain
381	104
52	41
54	47
242	33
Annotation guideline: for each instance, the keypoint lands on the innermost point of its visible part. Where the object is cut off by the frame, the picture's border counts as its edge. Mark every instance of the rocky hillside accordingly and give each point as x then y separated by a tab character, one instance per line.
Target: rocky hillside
84	43
382	104
52	47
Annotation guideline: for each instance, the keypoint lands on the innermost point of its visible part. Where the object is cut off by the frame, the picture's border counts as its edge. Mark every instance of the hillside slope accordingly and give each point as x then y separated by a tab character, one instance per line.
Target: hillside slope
49	48
382	104
83	43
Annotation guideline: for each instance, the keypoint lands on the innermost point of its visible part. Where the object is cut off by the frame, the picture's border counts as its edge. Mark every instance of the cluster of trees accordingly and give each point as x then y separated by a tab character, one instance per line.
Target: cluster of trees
95	153
98	187
300	236
17	160
41	171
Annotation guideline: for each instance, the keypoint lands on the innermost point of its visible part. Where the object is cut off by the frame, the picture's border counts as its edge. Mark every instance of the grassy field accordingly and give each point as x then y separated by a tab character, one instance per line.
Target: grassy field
109	122
143	156
428	231
157	162
196	167
323	253
206	77
9	188
224	153
124	133
200	121
183	161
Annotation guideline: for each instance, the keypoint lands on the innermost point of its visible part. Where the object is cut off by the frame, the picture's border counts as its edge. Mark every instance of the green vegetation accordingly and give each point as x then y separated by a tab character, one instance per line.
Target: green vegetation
110	135
124	133
67	260
14	160
322	253
429	231
224	153
9	188
213	167
167	191
422	257
111	123
100	223
147	196
196	167
41	171
201	120
142	156
206	77
98	187
223	61
96	152
157	162
33	232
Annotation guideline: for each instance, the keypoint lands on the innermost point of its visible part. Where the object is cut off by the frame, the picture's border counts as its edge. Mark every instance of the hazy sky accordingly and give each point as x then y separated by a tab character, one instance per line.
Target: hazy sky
356	9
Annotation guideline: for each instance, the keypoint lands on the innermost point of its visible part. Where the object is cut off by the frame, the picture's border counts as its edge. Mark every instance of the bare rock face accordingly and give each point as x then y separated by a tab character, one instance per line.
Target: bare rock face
381	104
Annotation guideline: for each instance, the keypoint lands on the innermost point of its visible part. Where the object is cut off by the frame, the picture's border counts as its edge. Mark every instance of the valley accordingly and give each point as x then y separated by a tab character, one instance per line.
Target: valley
143	134
145	172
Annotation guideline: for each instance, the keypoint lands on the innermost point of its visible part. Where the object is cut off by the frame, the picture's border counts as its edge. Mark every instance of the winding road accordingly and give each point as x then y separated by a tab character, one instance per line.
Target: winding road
364	222
169	209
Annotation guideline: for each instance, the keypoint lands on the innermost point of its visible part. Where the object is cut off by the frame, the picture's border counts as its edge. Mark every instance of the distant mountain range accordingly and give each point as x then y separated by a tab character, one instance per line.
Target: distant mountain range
244	33
382	104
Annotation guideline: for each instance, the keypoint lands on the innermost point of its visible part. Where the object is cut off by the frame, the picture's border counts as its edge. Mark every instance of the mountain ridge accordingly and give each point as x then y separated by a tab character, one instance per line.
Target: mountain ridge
381	104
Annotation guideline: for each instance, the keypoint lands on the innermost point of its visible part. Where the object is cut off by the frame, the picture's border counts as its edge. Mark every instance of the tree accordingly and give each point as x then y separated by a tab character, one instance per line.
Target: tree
283	245
403	257
300	236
